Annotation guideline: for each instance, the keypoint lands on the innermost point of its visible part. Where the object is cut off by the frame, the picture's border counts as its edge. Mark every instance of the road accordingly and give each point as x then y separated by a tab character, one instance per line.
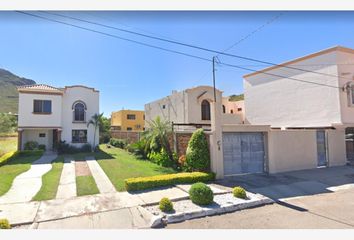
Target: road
327	210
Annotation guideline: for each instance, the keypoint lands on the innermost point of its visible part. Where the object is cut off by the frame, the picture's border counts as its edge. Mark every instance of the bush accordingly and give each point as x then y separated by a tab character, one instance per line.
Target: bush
4	224
31	145
197	155
120	143
26	153
65	148
141	183
104	137
201	194
41	147
239	192
166	205
86	148
138	149
7	156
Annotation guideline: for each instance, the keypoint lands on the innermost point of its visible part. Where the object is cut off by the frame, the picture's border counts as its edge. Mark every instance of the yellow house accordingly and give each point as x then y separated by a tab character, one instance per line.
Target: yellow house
128	120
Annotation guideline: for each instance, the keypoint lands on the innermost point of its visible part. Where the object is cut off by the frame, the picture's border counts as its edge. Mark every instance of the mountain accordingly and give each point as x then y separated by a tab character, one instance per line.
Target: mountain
8	91
234	98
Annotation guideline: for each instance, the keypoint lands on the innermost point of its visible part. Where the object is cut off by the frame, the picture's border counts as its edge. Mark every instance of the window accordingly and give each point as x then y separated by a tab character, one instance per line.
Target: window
42	135
205	110
42	106
239	109
79	112
129	129
223	109
163	106
131	116
79	136
231	111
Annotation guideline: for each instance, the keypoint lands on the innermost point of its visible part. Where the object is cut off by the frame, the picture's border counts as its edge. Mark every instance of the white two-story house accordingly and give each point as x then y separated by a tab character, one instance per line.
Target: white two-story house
48	115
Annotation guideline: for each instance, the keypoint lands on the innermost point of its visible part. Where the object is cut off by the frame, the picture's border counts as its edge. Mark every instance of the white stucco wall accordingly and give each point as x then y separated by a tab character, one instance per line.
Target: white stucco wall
26	118
283	102
336	147
91	99
33	135
291	150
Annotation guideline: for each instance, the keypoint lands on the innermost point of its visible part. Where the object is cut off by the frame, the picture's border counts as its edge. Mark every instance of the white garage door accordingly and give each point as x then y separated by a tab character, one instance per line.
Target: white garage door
243	153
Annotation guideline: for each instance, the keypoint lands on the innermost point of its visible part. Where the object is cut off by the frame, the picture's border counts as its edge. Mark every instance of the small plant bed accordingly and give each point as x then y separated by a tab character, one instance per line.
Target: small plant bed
50	181
85	183
14	166
186	209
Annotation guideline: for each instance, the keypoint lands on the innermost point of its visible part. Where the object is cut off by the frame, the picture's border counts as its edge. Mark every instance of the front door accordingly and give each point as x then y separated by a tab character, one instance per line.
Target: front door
321	148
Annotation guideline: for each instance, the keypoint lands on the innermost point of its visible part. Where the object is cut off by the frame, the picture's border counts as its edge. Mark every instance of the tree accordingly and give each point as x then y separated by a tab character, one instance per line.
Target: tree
197	155
105	128
156	136
96	121
8	123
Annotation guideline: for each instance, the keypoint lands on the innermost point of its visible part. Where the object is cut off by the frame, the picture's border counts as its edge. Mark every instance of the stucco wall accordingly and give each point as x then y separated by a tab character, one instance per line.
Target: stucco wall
120	119
283	102
336	147
91	99
33	135
26	118
291	150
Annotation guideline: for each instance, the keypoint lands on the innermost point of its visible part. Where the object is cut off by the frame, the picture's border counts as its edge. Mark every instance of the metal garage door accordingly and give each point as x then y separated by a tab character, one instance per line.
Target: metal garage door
243	153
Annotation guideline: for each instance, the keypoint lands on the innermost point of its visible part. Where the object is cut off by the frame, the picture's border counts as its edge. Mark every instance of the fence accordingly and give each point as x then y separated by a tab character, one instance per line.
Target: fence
130	136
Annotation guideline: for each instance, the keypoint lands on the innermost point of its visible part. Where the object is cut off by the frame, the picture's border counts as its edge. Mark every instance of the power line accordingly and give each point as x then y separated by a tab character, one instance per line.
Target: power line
170	50
188	45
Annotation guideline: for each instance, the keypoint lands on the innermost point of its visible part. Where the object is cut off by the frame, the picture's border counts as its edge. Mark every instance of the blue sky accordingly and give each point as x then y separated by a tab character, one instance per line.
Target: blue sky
130	75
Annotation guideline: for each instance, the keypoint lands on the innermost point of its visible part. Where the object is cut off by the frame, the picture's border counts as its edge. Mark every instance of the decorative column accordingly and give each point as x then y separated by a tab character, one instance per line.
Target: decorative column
216	151
19	139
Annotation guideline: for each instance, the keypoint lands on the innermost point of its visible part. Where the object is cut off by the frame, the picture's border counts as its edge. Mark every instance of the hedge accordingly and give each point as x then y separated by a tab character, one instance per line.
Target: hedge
6	157
141	183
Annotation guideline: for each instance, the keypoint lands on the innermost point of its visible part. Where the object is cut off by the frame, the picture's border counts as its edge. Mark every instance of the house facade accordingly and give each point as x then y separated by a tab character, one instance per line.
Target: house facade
48	115
193	107
128	120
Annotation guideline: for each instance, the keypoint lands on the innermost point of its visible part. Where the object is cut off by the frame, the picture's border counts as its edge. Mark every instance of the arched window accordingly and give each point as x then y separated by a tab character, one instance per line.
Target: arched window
79	111
205	110
223	109
231	111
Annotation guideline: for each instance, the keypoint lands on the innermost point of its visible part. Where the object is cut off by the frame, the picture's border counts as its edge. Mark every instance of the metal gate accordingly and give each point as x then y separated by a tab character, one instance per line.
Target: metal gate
321	148
243	153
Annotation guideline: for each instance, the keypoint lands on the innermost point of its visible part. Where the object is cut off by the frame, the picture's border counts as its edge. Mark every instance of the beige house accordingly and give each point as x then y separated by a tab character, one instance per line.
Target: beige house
192	107
48	114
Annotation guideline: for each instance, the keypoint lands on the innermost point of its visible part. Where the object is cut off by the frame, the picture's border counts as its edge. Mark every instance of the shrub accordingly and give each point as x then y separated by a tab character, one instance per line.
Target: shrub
141	183
41	147
31	145
166	205
239	192
104	137
120	143
138	149
201	194
197	155
4	224
26	153
86	148
7	156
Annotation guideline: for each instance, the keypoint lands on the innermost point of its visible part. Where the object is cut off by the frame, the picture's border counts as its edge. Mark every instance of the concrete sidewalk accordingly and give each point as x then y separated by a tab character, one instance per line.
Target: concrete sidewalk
26	185
67	183
103	183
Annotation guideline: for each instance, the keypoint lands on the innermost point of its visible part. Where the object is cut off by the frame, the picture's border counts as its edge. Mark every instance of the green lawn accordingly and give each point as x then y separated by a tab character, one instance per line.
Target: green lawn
14	167
118	165
7	145
50	181
86	185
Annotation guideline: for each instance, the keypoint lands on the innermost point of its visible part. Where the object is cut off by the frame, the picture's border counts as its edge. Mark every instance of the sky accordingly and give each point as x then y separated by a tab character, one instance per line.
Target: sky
129	75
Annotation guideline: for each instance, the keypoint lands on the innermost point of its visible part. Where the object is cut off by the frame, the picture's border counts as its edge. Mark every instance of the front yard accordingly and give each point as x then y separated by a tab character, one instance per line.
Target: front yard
7	144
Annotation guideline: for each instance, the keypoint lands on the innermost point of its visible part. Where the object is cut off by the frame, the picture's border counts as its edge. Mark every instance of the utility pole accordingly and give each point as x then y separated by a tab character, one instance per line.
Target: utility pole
214	79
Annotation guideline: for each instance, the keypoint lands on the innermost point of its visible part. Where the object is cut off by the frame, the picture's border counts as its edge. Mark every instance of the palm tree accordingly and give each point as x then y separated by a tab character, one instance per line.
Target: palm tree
157	135
96	121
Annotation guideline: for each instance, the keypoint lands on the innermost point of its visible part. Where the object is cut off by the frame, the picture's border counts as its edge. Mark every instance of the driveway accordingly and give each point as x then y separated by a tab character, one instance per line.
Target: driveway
295	184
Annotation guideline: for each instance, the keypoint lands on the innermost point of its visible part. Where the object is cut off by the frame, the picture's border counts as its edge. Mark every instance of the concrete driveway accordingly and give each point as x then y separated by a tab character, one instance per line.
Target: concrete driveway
295	184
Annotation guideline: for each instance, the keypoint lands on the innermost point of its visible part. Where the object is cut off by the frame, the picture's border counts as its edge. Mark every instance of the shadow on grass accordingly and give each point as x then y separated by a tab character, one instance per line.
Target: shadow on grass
23	158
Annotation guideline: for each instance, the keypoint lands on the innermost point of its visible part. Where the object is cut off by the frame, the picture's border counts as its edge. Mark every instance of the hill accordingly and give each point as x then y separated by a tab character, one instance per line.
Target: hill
234	98
8	91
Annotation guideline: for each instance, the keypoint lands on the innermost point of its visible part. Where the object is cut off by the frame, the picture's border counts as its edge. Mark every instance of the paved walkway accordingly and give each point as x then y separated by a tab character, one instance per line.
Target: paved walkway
67	183
101	179
26	185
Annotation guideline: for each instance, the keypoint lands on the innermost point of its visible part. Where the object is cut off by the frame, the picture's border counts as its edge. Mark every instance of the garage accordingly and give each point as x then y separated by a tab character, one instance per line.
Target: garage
243	152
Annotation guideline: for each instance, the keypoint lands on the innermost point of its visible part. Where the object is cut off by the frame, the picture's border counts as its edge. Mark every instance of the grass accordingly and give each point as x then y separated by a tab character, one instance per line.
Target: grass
118	165
7	145
86	185
50	181
15	166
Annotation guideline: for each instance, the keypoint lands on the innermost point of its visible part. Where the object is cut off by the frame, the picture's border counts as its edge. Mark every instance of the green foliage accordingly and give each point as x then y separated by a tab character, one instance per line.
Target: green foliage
65	148
234	97
86	185
141	183
201	194
138	149
31	145
239	192
115	142
8	123
161	158
4	224
7	156
105	126
197	155
166	205
96	120
41	147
